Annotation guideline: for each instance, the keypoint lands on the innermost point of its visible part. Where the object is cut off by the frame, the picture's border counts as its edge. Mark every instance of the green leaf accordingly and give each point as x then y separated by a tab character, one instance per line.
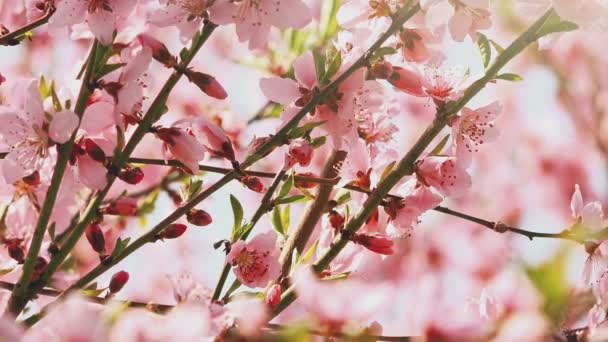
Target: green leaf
439	148
184	54
484	49
309	253
499	49
292	199
191	188
92	292
119	247
4	271
343	196
387	170
318	141
277	221
319	64
52	232
550	279
43	88
381	52
286	187
299	132
509	77
149	203
120	140
54	97
554	24
285	219
237	212
332	68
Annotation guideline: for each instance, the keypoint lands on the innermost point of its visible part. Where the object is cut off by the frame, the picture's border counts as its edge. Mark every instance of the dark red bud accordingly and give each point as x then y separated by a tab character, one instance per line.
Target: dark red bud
94	151
118	281
198	217
15	250
273	295
123	206
336	220
228	151
253	183
131	175
95	237
173	231
39	267
376	242
33	179
207	83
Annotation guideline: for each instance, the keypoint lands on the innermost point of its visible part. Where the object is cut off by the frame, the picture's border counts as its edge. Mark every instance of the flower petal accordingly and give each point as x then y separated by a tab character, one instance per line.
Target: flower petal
62	126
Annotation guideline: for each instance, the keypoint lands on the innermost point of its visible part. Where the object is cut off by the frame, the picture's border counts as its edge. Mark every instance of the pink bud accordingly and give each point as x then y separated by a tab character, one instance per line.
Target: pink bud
273	295
118	281
124	206
159	50
376	242
95	237
198	217
2	79
253	183
256	143
94	151
173	231
131	175
407	80
207	83
218	141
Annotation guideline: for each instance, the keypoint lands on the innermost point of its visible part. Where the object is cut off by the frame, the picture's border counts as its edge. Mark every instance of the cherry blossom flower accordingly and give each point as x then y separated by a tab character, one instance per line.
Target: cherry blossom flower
474	128
254	18
466	16
100	15
441	84
187	15
404	213
26	135
287	91
445	174
182	145
255	263
590	15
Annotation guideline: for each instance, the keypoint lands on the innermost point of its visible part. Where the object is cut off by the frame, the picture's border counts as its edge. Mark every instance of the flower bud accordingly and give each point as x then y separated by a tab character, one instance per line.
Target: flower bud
173	231
95	237
207	83
159	50
15	250
33	179
131	175
300	151
273	295
305	184
336	220
124	206
2	79
376	242
406	80
500	227
392	206
218	141
253	183
118	281
39	267
198	217
94	151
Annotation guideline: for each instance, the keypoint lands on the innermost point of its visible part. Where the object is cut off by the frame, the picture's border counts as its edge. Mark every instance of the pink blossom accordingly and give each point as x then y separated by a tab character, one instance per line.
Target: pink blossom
441	84
255	263
466	17
187	15
445	174
417	199
214	138
273	295
182	145
254	19
376	242
100	15
287	91
300	152
2	79
23	132
251	314
331	302
474	128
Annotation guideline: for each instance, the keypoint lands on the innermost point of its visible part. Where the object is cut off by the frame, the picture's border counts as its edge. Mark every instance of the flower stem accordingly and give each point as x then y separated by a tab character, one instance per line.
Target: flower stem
19	296
406	164
9	37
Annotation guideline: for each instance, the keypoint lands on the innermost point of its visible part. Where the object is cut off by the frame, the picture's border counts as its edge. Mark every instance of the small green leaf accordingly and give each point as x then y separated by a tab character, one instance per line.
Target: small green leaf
277	221
4	271
381	52
299	132
237	212
318	141
439	148
309	253
387	170
292	199
554	24
332	68
43	88
108	68
191	188
54	97
149	203
484	49
119	247
509	77
286	187
184	54
319	64
52	232
343	196
499	49
285	219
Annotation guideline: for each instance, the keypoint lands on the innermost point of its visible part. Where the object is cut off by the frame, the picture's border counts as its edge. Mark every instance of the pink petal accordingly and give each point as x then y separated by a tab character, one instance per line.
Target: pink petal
62	126
102	25
280	90
305	71
68	12
576	203
460	24
288	13
18	164
34	110
223	12
92	174
98	117
13	129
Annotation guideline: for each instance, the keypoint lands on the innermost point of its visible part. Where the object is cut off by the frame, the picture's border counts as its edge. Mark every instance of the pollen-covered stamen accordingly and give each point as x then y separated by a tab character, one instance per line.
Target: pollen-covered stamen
409	38
95	5
195	8
250	10
251	264
475	128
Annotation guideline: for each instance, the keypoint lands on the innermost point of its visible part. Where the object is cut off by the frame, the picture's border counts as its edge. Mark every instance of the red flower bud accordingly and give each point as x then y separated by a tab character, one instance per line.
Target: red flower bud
207	83
253	183
124	206
118	281
336	220
376	242
39	267
131	175
94	151
33	179
95	237
198	217
173	231
16	250
305	184
273	295
159	50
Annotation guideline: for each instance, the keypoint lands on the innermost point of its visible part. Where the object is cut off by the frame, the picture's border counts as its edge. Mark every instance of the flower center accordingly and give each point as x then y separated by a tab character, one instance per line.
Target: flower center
250	263
94	5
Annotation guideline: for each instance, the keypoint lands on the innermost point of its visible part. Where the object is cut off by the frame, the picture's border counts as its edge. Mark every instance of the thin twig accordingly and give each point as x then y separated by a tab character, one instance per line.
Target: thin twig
10	37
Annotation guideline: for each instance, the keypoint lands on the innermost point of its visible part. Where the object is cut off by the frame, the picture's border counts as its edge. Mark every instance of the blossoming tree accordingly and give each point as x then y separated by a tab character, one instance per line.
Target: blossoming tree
284	169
